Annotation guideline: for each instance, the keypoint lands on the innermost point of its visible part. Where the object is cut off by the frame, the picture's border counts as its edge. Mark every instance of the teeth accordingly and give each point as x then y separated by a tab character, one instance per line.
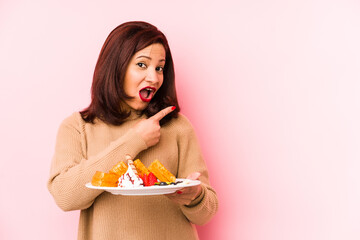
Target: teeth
149	90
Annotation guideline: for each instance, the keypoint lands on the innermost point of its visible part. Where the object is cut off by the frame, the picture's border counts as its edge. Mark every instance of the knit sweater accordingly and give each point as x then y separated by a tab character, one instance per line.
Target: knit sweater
83	148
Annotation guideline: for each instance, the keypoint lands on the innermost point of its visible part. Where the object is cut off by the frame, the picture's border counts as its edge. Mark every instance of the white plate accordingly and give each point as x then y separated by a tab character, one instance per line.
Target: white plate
152	190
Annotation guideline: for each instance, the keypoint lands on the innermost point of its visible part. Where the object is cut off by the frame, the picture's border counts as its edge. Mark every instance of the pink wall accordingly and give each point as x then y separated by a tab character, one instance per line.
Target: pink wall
272	88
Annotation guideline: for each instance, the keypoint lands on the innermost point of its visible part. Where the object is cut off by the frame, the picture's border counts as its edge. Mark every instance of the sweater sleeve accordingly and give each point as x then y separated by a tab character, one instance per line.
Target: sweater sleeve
204	207
70	170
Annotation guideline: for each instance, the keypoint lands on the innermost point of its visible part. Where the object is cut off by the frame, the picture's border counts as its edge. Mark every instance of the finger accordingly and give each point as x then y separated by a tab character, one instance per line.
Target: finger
174	194
194	176
160	115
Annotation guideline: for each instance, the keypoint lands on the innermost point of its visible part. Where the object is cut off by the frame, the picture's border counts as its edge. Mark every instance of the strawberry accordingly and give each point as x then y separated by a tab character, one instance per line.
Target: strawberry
152	179
142	176
146	180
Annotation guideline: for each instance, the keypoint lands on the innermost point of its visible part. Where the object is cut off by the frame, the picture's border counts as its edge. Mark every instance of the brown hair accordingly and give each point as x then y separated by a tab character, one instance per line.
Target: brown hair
107	92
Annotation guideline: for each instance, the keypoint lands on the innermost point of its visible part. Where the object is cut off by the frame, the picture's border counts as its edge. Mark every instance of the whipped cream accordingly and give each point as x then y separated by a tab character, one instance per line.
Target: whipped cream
130	179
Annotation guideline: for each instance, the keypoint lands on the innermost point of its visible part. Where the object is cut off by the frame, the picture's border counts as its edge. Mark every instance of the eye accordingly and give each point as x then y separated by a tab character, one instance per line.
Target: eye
159	69
141	64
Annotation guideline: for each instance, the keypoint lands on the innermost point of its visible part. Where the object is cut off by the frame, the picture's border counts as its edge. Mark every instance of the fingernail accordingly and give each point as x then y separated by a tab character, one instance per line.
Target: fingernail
173	108
179	192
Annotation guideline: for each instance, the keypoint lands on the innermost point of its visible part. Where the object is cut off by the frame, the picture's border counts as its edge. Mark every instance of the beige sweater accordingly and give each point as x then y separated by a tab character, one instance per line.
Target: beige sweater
83	148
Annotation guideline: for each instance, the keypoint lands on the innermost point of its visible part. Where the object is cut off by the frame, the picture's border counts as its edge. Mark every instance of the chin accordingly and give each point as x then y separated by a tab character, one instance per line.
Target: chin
139	108
137	105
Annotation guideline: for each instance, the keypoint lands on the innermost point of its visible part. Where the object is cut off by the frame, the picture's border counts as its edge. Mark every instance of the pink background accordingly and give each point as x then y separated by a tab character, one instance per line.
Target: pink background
271	87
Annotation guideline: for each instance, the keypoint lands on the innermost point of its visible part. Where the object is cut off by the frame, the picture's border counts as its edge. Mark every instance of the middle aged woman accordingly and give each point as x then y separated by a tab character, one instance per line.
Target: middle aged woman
133	110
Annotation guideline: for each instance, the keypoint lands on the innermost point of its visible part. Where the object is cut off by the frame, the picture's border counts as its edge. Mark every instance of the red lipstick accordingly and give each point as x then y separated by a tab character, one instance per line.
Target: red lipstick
147	93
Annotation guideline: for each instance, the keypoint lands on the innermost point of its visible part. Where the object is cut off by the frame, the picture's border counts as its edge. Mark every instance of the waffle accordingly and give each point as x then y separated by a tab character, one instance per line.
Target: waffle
161	172
119	169
140	167
102	179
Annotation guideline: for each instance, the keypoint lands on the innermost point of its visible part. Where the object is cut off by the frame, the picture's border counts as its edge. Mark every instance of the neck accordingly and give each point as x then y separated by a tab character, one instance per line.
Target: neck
134	114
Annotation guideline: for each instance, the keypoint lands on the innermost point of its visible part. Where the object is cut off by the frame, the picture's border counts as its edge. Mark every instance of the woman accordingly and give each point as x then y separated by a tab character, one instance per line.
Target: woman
133	110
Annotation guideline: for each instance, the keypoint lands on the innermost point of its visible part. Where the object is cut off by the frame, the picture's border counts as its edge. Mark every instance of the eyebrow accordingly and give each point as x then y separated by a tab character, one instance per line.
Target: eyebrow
142	56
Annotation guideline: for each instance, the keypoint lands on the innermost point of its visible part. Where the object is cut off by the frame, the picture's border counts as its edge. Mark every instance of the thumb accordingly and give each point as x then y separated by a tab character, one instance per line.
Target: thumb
194	176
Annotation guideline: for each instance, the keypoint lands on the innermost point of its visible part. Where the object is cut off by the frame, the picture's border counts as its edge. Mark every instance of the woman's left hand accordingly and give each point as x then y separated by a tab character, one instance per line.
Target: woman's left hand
185	196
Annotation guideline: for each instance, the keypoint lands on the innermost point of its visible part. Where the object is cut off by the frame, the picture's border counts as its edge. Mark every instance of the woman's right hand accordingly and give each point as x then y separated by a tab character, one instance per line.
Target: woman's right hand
149	129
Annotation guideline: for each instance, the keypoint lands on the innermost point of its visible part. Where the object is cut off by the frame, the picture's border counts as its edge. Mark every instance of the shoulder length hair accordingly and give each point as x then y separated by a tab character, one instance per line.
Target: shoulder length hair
107	92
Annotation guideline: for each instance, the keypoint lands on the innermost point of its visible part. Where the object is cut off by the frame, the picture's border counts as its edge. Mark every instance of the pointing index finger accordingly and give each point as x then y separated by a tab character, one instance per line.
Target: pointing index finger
161	114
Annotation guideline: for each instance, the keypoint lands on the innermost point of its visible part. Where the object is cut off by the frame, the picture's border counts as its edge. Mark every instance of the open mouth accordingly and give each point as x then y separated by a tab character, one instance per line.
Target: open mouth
147	93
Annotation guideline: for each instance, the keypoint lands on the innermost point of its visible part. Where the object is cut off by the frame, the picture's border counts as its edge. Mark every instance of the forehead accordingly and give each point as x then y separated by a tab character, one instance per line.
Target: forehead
155	49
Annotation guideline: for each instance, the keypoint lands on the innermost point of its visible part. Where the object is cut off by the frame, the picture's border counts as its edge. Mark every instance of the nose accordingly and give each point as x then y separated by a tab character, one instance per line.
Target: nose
152	76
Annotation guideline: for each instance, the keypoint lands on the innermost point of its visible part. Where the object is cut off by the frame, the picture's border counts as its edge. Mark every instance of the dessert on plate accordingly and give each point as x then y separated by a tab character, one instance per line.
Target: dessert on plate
130	178
134	174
